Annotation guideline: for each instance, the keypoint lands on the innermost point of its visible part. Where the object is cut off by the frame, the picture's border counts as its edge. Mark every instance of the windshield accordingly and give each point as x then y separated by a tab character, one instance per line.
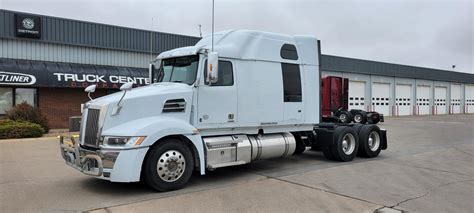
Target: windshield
180	69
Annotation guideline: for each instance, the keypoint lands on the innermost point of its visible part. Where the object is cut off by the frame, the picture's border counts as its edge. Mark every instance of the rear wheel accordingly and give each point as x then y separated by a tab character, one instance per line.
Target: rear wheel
346	144
169	165
327	153
373	118
360	117
357	127
370	141
345	117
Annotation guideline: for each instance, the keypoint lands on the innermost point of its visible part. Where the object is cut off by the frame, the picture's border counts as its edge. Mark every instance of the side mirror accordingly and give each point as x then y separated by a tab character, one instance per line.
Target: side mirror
212	67
151	73
126	86
90	89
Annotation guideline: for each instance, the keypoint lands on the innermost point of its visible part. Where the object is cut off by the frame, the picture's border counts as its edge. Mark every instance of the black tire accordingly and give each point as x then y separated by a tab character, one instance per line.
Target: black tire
345	117
373	118
357	128
338	150
367	149
157	153
300	146
316	148
327	153
360	117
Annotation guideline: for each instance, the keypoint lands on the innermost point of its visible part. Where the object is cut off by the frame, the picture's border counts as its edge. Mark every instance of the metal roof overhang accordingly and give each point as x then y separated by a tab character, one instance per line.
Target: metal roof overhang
26	73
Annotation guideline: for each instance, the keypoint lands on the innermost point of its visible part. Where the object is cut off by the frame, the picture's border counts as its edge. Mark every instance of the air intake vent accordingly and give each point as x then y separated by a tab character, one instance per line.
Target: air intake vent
174	105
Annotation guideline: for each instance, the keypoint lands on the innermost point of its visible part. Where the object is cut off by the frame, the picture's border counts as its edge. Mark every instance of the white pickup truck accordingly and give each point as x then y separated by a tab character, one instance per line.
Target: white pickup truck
256	96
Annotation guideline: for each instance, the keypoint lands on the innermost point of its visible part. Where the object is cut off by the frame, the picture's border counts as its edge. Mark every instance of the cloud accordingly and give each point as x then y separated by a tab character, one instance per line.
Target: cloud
434	34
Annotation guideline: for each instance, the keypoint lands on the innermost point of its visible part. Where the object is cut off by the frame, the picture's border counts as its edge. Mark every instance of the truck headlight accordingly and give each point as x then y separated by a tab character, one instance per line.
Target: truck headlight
122	141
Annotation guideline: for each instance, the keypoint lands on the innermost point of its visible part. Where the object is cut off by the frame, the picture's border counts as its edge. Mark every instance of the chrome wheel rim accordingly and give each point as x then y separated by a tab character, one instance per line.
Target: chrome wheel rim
343	118
358	118
348	144
374	141
171	166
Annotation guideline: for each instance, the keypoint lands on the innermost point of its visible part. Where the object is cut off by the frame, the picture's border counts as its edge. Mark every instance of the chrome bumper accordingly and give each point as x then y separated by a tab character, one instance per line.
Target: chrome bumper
87	161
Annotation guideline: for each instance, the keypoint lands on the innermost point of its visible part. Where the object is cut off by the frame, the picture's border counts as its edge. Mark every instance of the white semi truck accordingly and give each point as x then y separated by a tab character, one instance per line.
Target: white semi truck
256	96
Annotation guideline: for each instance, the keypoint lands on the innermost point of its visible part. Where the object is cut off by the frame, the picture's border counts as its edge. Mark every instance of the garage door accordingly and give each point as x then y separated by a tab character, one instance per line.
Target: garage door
381	98
403	99
469	94
423	100
356	95
455	99
440	101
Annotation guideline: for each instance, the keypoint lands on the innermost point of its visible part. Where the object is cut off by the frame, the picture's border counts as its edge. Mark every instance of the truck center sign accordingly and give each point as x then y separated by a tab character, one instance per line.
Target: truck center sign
50	74
70	80
110	81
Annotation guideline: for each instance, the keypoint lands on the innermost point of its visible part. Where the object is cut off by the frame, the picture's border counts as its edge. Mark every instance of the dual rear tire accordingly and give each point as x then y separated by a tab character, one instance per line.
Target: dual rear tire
370	141
345	147
360	140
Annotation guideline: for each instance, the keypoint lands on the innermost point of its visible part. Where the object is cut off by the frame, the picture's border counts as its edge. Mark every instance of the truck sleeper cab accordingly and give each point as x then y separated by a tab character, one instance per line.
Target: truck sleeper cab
256	96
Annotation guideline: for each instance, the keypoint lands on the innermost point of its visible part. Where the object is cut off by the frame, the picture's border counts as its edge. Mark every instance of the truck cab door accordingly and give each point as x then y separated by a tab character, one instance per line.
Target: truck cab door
217	102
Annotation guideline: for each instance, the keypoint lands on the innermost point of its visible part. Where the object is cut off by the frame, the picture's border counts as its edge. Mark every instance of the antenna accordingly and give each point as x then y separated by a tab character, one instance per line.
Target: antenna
200	32
212	36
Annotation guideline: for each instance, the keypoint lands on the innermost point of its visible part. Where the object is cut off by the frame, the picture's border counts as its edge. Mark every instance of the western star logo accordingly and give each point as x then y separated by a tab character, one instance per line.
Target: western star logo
28	26
11	78
28	23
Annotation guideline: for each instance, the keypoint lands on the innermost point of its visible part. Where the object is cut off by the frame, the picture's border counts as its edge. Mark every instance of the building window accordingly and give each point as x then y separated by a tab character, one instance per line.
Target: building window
291	82
226	76
14	96
6	99
27	95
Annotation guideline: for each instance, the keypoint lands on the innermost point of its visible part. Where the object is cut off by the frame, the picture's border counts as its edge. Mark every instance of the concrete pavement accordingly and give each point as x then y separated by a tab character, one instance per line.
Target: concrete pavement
427	168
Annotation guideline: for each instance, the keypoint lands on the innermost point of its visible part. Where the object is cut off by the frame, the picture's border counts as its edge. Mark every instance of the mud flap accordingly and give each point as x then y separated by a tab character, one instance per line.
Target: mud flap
383	139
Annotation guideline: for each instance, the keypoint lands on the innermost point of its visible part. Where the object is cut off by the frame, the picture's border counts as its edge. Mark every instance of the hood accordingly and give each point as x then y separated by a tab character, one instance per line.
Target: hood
143	102
141	92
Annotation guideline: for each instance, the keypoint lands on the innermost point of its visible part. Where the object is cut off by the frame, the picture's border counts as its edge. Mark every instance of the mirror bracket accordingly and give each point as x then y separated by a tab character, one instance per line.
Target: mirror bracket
90	89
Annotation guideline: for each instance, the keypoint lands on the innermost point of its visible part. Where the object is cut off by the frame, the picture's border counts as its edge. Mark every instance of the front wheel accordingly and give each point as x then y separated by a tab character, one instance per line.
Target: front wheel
168	166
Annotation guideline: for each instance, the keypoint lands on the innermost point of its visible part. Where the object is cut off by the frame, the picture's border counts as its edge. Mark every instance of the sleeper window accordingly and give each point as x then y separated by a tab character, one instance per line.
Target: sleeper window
291	82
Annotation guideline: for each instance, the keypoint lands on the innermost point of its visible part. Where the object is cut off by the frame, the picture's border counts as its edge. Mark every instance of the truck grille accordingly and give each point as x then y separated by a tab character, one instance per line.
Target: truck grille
91	128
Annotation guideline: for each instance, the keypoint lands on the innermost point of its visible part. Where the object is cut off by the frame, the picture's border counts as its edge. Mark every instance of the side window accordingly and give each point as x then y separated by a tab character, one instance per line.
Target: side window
226	76
291	82
288	51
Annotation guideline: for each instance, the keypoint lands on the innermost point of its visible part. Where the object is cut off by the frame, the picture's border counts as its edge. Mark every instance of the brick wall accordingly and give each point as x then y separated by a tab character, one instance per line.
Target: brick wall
61	103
